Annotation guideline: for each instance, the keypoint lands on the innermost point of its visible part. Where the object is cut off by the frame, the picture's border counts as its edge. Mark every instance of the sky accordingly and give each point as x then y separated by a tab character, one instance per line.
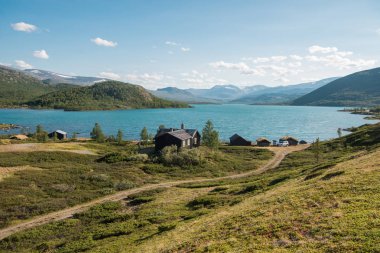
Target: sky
193	43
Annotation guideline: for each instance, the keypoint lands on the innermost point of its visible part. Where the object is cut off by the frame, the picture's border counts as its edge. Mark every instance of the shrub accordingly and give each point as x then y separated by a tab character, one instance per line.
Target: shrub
170	156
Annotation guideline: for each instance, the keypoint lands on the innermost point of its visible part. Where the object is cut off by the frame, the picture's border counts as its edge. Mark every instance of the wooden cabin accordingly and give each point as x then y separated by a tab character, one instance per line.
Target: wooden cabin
292	141
61	135
237	140
182	138
303	142
263	142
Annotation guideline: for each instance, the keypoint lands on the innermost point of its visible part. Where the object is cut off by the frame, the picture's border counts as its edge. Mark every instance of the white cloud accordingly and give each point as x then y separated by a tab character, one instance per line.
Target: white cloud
185	49
324	50
145	78
102	42
242	67
282	79
22	64
41	54
279	58
24	27
5	64
171	43
261	60
296	57
340	62
109	75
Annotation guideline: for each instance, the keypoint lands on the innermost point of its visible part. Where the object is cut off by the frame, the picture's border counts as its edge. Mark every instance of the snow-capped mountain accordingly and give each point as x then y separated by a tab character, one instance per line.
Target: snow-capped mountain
55	78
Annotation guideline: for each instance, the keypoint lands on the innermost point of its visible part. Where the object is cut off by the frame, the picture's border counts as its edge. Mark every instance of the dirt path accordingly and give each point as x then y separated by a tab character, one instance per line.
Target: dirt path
280	154
46	147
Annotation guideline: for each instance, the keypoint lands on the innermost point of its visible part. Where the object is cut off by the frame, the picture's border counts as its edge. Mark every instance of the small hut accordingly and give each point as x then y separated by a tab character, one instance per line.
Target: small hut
182	138
61	135
237	140
263	142
303	142
292	141
19	137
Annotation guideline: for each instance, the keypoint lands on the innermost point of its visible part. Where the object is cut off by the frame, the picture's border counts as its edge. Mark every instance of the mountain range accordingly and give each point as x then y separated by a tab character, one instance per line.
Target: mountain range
358	89
46	89
50	77
20	89
257	94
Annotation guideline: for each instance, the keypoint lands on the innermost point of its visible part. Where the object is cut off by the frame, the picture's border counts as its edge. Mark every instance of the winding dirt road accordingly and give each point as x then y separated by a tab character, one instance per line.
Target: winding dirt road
280	154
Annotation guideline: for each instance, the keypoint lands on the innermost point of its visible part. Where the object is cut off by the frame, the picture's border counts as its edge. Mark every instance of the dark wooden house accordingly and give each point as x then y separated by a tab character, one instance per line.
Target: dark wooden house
292	141
303	142
237	140
263	142
61	135
182	138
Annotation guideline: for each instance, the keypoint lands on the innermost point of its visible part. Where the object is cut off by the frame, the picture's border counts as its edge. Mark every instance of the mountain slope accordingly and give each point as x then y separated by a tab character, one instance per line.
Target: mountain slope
102	96
282	94
358	89
176	94
17	88
50	77
218	92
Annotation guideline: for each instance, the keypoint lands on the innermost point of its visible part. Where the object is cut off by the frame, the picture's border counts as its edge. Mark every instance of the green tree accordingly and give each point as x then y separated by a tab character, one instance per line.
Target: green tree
316	147
97	133
210	137
39	129
144	135
339	132
55	137
119	137
40	134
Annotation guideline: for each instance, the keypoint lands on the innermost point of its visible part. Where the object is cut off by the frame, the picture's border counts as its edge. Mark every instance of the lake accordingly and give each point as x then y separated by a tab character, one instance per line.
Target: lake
250	121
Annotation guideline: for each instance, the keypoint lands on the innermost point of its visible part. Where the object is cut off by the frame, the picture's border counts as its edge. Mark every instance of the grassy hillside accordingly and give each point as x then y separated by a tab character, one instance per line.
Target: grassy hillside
20	90
305	205
358	89
17	88
102	96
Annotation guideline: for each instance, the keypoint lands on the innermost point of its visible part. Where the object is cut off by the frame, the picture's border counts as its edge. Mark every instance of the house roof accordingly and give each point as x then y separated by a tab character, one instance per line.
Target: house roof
286	138
262	139
190	132
59	131
180	134
236	136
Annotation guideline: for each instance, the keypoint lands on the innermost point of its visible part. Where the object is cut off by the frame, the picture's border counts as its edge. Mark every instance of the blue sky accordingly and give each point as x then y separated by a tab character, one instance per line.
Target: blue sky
192	43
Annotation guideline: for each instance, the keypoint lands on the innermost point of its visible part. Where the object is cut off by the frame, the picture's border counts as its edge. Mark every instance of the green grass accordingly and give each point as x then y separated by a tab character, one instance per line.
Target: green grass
301	206
67	179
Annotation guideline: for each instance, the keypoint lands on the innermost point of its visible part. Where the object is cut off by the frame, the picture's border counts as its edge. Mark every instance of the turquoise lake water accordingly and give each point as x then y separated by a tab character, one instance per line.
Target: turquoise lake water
249	121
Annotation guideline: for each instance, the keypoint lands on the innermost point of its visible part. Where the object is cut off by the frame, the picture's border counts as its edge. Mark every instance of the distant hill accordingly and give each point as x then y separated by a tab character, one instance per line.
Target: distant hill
358	89
50	77
17	88
176	94
281	94
223	93
108	95
256	94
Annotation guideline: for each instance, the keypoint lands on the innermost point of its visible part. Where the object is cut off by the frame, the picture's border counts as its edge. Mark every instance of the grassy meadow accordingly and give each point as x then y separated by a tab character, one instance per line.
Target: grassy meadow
56	180
317	200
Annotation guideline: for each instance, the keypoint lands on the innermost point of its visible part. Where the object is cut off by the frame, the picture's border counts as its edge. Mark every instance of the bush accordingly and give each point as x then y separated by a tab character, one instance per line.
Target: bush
120	157
170	156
